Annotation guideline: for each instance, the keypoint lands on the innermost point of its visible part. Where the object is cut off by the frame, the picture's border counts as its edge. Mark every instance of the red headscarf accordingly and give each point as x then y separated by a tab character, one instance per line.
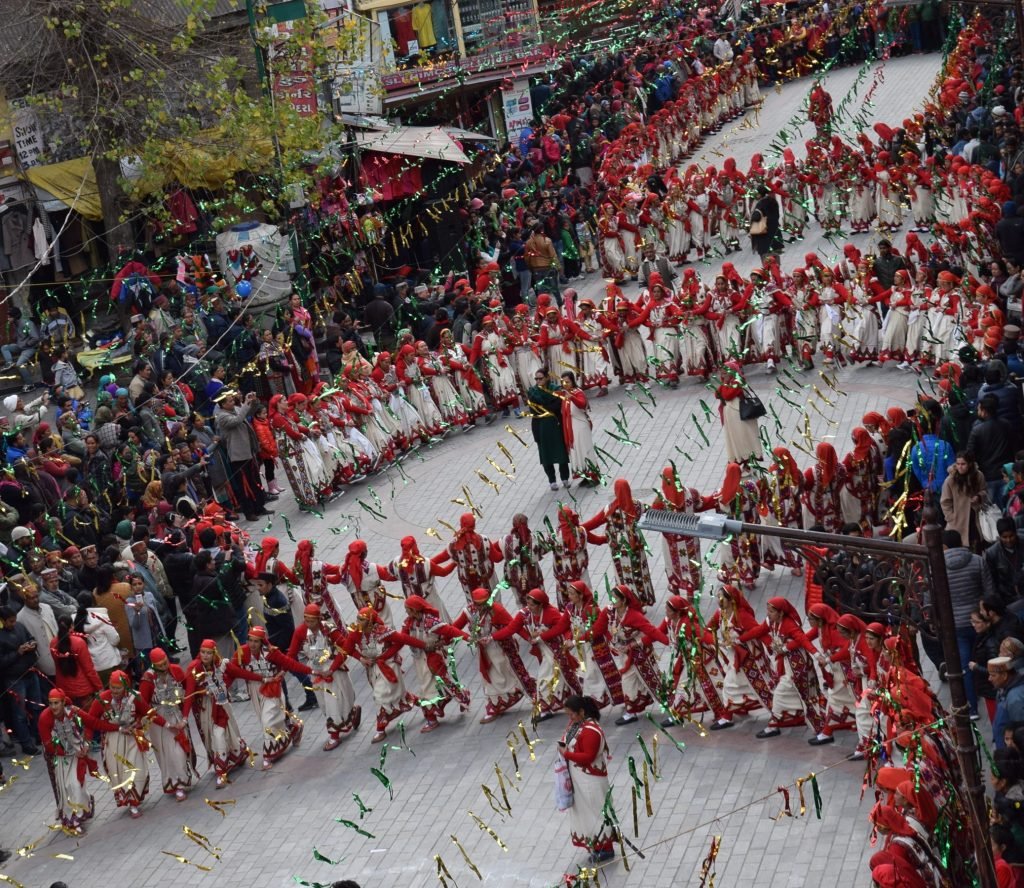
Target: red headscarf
628	594
876	419
897	416
862	444
730	484
410	552
624	498
824	613
922	802
354	561
584	591
889	819
670	488
784	461
568	521
466	535
419	604
828	461
268	549
521	527
738	598
786	607
303	564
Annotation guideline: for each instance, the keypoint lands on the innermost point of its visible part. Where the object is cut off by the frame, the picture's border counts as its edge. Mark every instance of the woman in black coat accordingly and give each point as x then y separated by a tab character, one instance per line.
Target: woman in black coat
767	208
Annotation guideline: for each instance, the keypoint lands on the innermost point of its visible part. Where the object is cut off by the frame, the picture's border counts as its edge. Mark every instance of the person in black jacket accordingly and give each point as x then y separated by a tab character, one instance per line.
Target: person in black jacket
277	614
212	604
957	420
23	699
1003	563
986	647
767	208
991	442
178	561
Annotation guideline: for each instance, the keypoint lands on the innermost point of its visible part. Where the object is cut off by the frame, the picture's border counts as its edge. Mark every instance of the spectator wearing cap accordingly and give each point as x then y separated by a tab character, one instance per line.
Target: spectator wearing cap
22	539
1009	685
991	442
242	450
22	416
22	349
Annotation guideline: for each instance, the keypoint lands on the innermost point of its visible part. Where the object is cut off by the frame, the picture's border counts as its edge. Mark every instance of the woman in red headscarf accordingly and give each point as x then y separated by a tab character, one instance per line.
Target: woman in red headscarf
365	580
267	561
502	672
598	674
124	750
629	555
695	654
289	435
455	358
542	625
522	551
681	553
439	376
162	691
410	423
316	470
568	547
207	680
781	508
835	662
661	314
897	321
411	378
742	436
741	498
281	729
474	556
860	675
377	646
822	485
749	679
323	647
430	679
63	730
314	576
864	474
631	636
913	860
577	430
492	348
416	574
797	696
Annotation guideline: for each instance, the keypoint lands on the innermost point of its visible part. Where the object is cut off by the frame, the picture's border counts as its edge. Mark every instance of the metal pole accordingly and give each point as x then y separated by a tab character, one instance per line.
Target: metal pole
966	749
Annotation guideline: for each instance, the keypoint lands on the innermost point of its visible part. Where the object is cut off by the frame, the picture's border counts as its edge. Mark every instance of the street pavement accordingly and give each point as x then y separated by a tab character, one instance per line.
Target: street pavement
270	825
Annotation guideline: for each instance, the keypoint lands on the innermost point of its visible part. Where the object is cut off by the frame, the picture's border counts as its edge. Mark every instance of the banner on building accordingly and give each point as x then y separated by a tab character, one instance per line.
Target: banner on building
517	108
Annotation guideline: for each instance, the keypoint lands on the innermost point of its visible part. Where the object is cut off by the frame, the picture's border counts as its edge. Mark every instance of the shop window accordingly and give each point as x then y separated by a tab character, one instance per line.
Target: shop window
495	25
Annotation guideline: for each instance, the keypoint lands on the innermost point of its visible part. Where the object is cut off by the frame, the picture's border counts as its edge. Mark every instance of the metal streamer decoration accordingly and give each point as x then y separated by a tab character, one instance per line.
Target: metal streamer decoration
354	826
485	828
321	858
187	862
442	869
707	868
786	809
466	857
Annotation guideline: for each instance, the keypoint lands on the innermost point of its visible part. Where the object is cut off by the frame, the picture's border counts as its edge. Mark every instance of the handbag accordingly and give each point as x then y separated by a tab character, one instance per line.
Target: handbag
751	407
759	225
988	516
563	786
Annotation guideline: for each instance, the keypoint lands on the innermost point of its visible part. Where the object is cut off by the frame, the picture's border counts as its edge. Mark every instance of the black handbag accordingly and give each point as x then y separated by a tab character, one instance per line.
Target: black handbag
751	407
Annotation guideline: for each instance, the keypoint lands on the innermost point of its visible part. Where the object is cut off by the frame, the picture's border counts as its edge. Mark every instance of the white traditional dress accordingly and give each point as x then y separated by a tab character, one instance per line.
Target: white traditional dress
68	762
323	650
164	694
124	750
577	429
206	695
586	751
281	729
380	644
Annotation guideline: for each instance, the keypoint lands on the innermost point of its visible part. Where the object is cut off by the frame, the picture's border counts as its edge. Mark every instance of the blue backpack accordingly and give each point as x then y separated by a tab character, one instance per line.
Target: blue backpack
930	459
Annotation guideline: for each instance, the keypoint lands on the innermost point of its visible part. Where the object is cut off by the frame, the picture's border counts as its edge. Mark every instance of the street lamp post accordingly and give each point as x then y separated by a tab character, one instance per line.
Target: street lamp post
714	526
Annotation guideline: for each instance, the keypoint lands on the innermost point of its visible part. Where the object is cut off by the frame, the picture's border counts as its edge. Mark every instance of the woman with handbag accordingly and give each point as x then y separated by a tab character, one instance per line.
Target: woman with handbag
585	748
739	410
765	236
963	495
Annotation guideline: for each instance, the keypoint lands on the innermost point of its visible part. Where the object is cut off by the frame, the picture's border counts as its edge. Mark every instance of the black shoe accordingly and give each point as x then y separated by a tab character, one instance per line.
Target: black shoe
765	733
29	749
265	511
720	726
308	705
6	749
545	716
669	721
250	517
857	756
943	677
4	856
821	741
626	719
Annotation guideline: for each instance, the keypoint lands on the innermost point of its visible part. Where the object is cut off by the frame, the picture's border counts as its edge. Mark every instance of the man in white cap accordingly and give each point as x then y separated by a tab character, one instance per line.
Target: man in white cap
25	416
22	539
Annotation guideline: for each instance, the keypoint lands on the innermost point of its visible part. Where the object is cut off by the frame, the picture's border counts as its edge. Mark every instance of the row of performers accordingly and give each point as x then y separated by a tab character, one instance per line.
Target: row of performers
839	675
704	212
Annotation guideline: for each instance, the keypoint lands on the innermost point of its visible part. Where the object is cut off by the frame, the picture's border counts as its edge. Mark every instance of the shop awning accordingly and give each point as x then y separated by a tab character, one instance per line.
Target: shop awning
414	141
72	182
467	135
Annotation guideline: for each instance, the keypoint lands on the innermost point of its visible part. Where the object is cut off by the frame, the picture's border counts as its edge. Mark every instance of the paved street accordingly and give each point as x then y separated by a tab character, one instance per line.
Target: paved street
720	784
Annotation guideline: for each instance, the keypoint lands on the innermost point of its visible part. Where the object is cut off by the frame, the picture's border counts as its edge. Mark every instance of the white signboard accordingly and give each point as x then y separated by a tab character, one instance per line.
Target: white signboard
28	135
518	109
356	89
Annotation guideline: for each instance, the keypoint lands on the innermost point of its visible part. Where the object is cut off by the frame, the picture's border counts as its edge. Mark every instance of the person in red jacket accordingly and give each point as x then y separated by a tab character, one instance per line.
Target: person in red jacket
542	625
281	729
76	674
207	680
504	676
377	645
435	686
323	647
124	750
585	748
162	691
797	696
62	729
268	451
